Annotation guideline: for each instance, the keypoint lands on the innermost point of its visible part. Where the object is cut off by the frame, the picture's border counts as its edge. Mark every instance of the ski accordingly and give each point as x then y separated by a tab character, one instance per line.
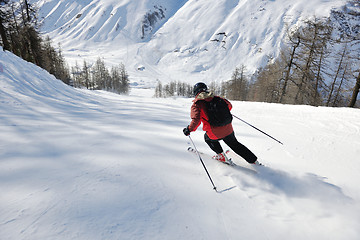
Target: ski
245	167
257	163
230	163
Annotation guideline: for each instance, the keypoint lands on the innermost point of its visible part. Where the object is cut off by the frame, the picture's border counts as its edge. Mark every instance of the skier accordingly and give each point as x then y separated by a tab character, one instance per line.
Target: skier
199	113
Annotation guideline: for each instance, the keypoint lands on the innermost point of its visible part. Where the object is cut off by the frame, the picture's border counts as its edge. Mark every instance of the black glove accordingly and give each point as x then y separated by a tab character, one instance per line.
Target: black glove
186	131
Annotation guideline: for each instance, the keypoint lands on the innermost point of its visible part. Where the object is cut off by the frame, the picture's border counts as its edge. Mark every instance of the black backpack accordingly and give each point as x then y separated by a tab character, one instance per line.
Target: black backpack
218	112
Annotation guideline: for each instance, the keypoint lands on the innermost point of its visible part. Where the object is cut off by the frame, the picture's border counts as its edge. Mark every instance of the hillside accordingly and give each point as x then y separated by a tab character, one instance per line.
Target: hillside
78	164
176	40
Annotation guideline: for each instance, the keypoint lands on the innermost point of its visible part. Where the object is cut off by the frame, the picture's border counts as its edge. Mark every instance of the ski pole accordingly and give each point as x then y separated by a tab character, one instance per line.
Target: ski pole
203	164
258	129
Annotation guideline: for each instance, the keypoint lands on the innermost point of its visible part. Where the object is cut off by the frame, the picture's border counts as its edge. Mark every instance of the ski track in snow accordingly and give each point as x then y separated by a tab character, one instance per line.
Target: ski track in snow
77	164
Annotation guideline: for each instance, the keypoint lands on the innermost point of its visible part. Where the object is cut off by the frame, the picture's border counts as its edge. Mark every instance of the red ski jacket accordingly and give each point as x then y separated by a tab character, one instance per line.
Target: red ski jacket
198	115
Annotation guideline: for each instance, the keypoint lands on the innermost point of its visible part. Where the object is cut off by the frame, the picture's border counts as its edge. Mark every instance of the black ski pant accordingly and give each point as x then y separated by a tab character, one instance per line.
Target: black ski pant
233	143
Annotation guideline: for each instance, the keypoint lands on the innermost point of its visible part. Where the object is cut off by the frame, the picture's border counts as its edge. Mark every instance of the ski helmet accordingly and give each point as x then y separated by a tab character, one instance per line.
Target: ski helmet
199	87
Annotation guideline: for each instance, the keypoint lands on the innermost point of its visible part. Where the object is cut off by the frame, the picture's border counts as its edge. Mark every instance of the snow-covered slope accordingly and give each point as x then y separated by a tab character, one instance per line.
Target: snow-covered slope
76	164
176	40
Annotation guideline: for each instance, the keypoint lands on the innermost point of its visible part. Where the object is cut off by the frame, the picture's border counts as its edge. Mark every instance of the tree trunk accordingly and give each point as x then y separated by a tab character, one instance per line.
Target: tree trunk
27	6
355	92
336	76
288	71
317	81
3	36
306	71
335	102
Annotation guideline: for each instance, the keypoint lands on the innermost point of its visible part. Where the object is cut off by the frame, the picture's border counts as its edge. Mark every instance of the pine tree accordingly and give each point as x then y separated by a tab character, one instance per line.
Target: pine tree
158	90
124	82
237	89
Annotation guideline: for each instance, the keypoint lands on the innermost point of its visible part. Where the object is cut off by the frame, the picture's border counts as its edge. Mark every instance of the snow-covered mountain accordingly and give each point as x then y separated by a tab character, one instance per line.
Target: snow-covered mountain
79	164
194	40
